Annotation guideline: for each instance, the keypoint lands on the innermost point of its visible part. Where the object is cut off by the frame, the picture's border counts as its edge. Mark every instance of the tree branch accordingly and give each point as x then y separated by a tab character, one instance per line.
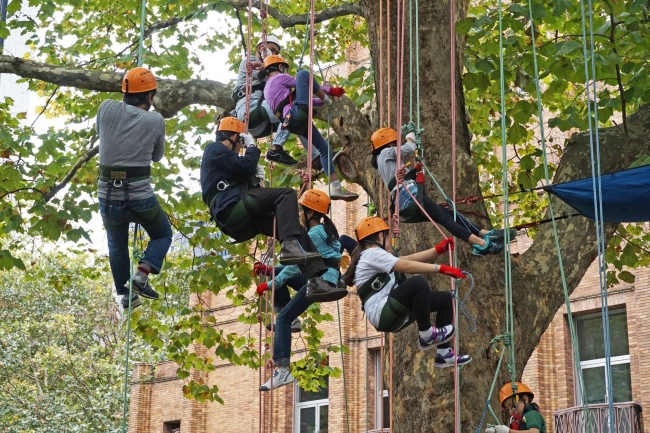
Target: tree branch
295	20
81	161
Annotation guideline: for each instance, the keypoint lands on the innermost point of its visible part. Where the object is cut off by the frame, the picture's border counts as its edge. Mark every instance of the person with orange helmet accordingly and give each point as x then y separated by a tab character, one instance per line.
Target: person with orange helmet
242	209
322	231
391	303
130	139
288	98
384	159
523	413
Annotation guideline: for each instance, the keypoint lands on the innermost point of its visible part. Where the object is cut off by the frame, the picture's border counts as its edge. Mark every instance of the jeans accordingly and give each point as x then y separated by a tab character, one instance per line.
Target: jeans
347	243
116	216
282	341
282	296
404	198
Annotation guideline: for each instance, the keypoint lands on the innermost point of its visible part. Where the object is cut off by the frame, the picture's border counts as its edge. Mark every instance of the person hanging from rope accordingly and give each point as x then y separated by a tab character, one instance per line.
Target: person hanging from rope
384	159
314	208
522	412
242	209
392	305
130	139
288	98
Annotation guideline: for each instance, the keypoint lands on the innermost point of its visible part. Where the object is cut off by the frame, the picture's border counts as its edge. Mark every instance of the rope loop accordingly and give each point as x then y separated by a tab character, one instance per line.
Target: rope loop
462	307
504	338
411	127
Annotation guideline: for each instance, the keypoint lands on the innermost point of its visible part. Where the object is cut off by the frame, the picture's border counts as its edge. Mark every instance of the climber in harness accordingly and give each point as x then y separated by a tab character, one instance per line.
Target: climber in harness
243	211
384	159
522	413
392	305
130	138
322	231
288	98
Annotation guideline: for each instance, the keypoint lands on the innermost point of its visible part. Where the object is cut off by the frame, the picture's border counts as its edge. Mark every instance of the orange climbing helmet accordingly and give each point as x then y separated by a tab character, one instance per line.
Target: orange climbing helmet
315	200
506	391
231	124
274	60
382	137
138	80
369	226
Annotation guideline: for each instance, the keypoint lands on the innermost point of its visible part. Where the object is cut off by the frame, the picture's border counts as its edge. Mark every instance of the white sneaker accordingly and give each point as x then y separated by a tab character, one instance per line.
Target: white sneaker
281	377
341	193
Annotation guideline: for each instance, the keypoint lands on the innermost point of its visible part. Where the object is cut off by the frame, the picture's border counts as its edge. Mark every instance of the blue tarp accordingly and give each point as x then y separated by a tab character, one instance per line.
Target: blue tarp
626	195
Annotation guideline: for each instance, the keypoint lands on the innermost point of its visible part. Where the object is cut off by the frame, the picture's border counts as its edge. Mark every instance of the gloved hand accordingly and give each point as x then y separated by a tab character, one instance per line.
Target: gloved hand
261	269
451	271
262	288
502	429
445	245
489	430
250	66
411	136
337	91
259	173
248	139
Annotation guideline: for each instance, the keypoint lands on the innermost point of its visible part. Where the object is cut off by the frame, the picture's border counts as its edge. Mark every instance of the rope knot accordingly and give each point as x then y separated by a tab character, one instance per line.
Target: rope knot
411	127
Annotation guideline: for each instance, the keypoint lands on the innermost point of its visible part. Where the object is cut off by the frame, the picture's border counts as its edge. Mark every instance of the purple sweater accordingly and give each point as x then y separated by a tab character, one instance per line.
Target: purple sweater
279	86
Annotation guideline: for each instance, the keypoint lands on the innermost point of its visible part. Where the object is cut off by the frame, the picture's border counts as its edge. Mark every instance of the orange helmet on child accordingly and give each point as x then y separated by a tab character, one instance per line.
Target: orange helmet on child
506	391
231	124
274	60
138	80
369	226
382	137
315	200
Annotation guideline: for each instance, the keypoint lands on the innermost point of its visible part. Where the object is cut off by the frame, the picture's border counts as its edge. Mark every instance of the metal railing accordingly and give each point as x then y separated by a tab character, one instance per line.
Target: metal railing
628	418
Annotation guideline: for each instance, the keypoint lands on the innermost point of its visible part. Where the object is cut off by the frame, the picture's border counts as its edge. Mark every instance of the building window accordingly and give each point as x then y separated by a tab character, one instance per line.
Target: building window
592	357
172	427
382	399
312	410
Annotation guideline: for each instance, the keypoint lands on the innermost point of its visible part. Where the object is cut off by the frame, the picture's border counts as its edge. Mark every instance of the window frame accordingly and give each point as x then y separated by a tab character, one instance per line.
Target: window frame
317	404
599	362
380	395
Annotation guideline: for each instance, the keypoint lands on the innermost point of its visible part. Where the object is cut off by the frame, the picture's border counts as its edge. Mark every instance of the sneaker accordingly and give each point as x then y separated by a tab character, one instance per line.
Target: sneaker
141	286
318	290
500	235
292	253
341	193
444	361
135	302
280	157
439	336
296	326
490	248
281	377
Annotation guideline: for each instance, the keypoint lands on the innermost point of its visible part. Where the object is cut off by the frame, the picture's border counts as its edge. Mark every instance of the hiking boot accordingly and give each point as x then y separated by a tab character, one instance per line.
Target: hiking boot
292	253
135	302
280	157
439	336
500	235
296	326
444	361
281	377
490	248
318	290
341	193
141	286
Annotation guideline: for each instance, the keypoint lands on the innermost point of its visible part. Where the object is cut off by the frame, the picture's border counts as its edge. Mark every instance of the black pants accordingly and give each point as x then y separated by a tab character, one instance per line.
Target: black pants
347	243
283	203
415	293
462	228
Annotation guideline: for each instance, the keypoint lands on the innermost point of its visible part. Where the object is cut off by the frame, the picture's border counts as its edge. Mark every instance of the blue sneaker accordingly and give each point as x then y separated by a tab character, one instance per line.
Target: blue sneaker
439	336
447	360
490	248
500	235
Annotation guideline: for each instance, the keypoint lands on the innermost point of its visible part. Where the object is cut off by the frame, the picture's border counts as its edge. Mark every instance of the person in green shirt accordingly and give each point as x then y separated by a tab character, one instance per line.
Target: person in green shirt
524	413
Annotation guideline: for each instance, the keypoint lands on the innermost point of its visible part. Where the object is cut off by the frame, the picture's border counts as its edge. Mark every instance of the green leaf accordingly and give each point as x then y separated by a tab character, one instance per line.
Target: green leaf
626	276
527	163
566	47
516	133
464	26
629	257
485	65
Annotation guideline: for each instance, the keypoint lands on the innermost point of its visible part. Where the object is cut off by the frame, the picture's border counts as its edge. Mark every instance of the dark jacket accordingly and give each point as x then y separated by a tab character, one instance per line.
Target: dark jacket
220	163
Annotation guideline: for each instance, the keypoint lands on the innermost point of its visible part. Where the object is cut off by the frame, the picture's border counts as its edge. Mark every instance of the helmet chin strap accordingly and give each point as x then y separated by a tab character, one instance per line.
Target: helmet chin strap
233	143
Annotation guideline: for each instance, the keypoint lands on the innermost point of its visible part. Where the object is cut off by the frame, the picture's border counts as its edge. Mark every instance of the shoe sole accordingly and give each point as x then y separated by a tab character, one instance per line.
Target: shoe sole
345	198
440	342
293	330
275	387
327	297
280	163
134	305
298	260
144	295
447	365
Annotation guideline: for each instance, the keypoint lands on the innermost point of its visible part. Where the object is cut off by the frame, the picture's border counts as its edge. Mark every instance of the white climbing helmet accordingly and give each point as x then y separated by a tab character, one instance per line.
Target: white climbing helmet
271	39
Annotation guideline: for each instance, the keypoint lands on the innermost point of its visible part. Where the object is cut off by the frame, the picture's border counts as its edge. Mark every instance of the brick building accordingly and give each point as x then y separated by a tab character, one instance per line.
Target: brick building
157	404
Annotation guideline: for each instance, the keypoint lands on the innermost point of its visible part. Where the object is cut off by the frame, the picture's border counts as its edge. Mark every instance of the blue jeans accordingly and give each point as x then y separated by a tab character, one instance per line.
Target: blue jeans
404	198
116	216
282	296
347	243
282	341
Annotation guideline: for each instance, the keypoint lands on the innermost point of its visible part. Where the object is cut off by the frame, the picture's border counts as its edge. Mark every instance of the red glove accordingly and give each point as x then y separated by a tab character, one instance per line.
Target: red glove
448	270
262	288
445	246
337	91
261	269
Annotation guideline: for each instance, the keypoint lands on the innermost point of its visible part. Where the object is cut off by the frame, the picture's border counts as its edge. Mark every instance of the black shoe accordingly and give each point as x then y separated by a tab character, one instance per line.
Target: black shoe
296	326
319	291
500	235
292	253
135	301
141	286
280	157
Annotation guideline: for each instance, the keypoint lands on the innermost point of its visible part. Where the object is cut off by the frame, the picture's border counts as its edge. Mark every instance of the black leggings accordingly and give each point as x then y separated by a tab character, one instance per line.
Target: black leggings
414	293
462	228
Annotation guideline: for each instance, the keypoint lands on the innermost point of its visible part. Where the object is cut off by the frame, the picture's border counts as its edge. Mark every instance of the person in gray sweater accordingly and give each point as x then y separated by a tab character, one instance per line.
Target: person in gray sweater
130	138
